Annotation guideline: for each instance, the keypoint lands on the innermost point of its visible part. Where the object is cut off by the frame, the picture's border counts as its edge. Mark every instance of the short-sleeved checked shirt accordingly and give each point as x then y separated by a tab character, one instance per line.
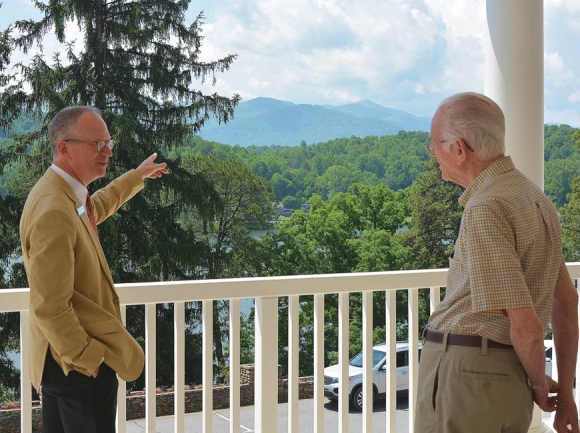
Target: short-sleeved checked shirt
508	255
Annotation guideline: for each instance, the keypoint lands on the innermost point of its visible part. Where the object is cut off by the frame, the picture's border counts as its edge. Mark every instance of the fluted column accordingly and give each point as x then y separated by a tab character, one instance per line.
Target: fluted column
514	78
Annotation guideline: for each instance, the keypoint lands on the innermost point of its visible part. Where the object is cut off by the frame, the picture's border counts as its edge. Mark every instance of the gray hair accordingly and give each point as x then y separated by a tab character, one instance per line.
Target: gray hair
64	123
478	120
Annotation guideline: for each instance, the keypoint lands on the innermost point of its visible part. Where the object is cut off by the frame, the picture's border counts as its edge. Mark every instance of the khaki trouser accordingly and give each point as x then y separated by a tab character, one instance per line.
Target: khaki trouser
471	390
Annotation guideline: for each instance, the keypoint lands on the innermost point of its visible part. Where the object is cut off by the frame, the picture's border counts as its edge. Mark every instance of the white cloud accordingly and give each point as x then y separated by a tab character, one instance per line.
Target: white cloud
340	51
553	62
556	74
406	54
568	116
568	5
574	98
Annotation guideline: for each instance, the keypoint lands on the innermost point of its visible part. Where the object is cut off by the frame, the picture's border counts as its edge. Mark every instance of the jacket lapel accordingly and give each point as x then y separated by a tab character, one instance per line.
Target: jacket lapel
81	211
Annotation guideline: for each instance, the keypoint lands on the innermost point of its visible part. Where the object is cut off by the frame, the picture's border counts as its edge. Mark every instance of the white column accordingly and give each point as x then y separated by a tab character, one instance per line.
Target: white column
514	78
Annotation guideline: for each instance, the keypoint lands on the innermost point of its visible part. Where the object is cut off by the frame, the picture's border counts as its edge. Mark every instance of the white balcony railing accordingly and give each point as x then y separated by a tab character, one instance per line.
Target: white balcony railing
265	292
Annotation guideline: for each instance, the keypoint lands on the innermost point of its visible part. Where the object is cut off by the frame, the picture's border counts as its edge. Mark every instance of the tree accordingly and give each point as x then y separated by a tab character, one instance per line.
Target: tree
571	217
382	208
131	68
558	178
290	202
11	274
570	214
336	236
435	219
282	186
434	227
247	205
138	62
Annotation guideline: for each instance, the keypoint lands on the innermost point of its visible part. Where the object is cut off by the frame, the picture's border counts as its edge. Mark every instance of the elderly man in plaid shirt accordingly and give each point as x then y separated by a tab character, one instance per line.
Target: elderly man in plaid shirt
483	361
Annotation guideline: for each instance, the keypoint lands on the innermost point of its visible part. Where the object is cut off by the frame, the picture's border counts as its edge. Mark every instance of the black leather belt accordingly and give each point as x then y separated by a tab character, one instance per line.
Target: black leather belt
463	340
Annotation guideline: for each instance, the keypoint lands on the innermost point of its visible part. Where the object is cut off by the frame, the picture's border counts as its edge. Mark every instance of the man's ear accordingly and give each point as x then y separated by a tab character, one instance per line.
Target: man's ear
62	147
460	150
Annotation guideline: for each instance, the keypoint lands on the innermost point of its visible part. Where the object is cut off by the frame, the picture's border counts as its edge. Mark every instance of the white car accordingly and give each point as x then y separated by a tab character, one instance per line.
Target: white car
355	370
549	346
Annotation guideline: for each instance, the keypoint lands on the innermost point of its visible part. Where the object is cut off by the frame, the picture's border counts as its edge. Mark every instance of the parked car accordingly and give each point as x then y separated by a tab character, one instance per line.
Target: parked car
549	346
355	371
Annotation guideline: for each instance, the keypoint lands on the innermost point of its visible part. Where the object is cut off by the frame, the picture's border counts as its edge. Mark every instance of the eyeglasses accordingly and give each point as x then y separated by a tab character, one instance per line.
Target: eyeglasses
430	144
100	144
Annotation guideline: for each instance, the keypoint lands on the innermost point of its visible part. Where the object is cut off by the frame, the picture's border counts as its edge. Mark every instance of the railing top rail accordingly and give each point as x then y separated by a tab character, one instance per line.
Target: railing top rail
261	287
256	287
264	287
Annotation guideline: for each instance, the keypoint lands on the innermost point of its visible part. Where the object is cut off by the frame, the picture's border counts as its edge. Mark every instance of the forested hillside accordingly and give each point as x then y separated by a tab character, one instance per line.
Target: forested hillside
330	167
266	121
327	168
392	160
375	204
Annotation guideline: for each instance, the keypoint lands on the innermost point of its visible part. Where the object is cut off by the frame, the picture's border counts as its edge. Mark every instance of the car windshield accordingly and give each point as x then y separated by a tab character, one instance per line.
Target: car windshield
378	356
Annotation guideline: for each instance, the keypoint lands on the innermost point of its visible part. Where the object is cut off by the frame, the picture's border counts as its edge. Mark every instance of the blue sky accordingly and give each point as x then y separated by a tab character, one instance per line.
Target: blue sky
403	54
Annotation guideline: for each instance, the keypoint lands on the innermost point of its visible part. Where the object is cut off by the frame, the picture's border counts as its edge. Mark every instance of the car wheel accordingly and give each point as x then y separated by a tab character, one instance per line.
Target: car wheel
356	398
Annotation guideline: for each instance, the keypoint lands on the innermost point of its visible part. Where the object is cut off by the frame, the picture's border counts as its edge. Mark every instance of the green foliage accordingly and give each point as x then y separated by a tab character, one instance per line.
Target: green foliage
377	203
138	63
562	161
570	214
558	177
559	142
9	374
290	202
435	219
226	238
343	234
329	168
247	205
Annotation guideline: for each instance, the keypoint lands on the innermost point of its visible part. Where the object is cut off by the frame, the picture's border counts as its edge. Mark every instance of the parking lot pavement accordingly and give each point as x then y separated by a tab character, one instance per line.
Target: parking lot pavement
220	420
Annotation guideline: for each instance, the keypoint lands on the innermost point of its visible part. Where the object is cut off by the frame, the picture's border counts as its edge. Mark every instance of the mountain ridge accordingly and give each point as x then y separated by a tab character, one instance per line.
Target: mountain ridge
268	121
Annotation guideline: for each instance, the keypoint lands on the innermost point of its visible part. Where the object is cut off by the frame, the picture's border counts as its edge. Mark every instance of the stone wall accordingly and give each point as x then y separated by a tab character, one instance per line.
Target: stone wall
10	419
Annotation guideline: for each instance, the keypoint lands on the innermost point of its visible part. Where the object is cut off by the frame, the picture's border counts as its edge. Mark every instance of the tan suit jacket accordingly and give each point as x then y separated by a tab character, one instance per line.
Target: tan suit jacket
74	308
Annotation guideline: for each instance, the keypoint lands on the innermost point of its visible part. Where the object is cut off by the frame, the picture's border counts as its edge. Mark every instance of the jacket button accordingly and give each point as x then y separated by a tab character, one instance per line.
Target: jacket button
486	383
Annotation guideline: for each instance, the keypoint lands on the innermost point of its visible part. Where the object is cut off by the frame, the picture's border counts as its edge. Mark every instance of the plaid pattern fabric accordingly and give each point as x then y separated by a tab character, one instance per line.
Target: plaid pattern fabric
508	255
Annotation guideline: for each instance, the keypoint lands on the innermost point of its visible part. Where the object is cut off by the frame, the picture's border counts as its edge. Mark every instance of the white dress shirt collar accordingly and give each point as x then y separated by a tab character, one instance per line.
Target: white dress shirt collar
77	187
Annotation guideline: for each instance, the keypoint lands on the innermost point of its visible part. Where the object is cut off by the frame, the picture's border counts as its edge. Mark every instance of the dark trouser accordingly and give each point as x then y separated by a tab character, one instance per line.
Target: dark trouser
77	403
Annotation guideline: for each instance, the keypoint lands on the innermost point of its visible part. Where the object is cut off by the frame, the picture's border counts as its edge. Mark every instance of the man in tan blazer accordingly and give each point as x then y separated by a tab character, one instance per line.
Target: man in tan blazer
78	342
